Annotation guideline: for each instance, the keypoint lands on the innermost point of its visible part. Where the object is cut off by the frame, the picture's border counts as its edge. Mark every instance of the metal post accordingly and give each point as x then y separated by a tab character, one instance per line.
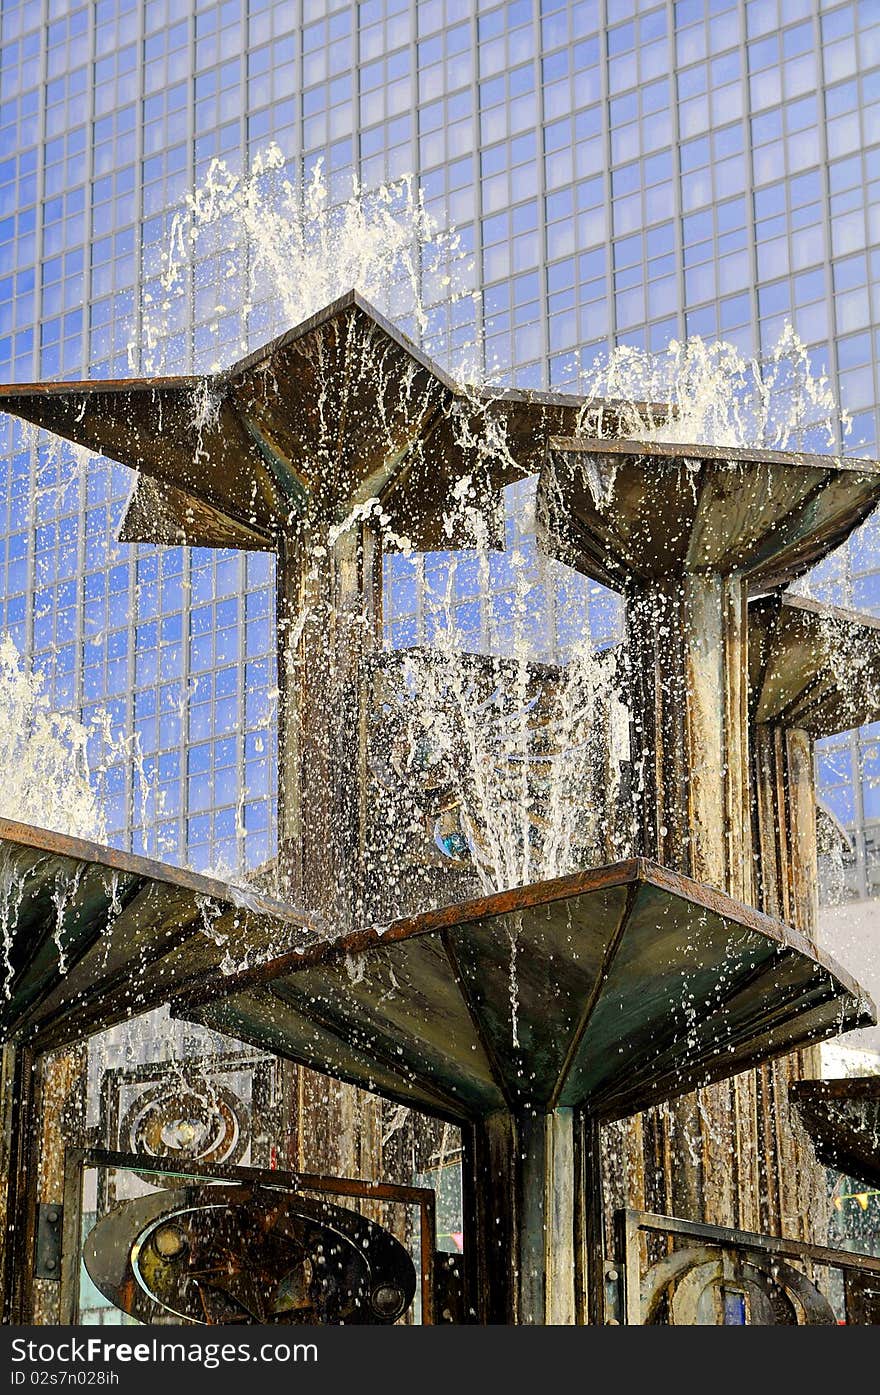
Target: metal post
686	650
533	1228
687	653
329	619
20	1165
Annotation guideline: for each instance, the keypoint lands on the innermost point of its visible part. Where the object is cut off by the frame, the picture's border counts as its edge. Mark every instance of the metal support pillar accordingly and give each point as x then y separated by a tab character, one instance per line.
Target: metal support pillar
19	1157
329	618
687	638
533	1223
686	651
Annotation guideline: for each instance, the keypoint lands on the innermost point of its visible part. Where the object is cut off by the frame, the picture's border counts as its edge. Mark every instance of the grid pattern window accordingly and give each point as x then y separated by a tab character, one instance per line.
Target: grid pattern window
618	171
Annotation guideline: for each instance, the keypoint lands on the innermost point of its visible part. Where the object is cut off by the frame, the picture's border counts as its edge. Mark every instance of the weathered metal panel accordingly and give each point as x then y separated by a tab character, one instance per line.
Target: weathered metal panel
769	514
529	977
265	1020
334	405
813	666
637	985
96	935
843	1119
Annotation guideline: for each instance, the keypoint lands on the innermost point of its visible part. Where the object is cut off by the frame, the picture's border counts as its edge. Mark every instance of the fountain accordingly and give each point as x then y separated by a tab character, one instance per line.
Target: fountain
531	1016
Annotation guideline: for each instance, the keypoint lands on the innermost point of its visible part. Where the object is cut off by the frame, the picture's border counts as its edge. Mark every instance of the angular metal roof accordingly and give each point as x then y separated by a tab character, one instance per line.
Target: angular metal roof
628	512
813	666
843	1119
613	989
343	407
91	936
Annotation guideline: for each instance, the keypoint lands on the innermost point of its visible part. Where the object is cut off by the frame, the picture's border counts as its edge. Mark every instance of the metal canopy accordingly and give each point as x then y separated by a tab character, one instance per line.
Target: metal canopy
630	512
343	408
611	990
91	936
843	1119
813	666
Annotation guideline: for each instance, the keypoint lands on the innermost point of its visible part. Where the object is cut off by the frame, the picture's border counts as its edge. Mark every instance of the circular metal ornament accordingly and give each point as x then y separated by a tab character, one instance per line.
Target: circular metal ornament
694	1286
240	1254
185	1124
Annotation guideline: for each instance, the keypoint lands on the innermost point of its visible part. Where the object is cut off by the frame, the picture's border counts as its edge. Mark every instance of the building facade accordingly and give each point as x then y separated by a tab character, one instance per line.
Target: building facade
618	172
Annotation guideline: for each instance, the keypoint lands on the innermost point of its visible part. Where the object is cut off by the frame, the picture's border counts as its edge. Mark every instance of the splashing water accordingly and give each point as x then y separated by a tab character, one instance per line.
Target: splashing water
843	650
49	780
520	768
521	757
46	776
514	770
64	892
710	394
12	883
287	250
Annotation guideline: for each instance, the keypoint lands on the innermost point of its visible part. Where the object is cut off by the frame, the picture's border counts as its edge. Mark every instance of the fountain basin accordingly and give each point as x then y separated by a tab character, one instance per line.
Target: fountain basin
630	513
608	991
843	1119
92	936
812	666
339	410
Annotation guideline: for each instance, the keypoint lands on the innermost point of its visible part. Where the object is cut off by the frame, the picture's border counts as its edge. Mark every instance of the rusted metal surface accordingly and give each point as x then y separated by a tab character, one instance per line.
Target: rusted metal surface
160	513
605	963
426	1016
329	622
685	681
333	407
277	452
685	533
811	666
219	1255
705	1258
530	1209
843	1119
767	514
100	935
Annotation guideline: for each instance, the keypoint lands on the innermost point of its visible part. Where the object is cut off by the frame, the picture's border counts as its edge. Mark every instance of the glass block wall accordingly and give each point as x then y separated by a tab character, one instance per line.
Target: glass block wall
620	171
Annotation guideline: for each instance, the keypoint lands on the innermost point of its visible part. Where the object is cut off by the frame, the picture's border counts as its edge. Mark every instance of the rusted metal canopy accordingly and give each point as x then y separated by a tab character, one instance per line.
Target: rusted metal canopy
813	666
631	512
341	409
843	1119
611	989
91	936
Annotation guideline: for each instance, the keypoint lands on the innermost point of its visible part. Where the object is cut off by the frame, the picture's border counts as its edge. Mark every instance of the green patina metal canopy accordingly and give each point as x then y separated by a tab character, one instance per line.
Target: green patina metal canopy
630	984
608	990
92	936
